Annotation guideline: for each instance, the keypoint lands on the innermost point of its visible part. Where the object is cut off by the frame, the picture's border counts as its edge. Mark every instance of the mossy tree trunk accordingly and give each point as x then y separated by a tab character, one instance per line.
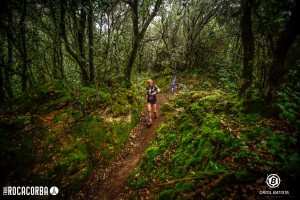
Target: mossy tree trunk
248	48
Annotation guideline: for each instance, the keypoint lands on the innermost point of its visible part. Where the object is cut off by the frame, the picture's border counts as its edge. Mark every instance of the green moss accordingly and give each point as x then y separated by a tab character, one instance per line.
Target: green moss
206	129
252	117
105	96
142	182
166	108
243	153
181	103
52	95
166	195
65	118
78	155
152	152
69	134
22	121
209	128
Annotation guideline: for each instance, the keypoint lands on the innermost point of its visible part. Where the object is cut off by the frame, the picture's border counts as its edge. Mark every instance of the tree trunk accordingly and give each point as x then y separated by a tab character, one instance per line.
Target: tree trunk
79	59
55	60
91	44
130	63
24	73
8	68
61	61
81	39
138	35
135	44
283	44
2	93
248	48
57	40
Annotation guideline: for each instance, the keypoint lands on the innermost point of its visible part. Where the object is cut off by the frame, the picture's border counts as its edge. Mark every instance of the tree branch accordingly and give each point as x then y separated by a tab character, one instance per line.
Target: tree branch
207	187
150	17
130	3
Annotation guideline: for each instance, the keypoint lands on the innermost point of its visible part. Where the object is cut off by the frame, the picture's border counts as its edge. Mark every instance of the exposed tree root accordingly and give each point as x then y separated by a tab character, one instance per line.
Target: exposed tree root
195	193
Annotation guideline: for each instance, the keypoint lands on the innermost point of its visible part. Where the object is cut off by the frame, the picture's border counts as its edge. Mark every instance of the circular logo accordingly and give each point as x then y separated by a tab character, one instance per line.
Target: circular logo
54	190
273	180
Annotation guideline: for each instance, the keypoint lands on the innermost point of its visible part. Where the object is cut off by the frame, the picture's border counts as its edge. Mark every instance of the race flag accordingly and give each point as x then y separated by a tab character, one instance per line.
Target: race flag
174	80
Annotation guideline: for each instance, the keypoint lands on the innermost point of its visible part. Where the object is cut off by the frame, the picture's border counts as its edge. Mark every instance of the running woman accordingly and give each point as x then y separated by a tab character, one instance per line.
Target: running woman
152	90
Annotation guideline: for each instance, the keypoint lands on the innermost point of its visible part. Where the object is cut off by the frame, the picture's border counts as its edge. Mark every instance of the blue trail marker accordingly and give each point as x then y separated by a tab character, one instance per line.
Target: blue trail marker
174	80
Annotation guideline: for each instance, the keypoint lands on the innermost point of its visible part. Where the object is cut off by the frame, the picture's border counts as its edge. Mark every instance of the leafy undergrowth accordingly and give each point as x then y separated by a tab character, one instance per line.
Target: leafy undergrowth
55	135
211	147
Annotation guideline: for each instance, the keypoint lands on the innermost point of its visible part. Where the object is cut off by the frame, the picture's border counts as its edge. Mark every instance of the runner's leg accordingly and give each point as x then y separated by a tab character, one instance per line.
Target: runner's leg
149	111
154	110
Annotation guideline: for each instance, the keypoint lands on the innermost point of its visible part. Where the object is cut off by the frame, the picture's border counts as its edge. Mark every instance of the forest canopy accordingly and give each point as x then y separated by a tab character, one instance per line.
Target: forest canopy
250	46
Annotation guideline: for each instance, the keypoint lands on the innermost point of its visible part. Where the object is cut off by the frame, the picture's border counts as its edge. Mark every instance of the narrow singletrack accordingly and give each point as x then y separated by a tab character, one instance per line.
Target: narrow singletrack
108	181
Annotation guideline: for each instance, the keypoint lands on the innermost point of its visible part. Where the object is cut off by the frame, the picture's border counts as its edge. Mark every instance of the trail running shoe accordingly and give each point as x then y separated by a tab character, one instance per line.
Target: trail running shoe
149	123
155	115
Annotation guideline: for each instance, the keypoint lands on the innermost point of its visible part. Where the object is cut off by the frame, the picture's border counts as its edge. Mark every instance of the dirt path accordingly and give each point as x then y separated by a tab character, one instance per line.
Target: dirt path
108	182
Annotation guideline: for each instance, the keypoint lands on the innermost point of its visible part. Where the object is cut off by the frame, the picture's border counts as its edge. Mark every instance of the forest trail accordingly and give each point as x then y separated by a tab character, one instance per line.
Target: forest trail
108	181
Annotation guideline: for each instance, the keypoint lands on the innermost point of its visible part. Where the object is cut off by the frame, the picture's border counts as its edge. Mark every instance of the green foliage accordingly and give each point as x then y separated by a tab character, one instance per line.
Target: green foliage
228	76
61	134
166	108
242	154
252	117
41	98
289	104
168	71
22	121
209	133
166	194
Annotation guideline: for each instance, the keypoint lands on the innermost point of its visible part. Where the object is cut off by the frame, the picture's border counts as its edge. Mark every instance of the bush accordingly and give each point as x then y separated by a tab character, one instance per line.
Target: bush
289	104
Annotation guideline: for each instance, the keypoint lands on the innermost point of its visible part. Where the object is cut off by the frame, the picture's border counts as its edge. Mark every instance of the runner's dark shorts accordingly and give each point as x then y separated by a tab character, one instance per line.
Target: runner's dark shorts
151	99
